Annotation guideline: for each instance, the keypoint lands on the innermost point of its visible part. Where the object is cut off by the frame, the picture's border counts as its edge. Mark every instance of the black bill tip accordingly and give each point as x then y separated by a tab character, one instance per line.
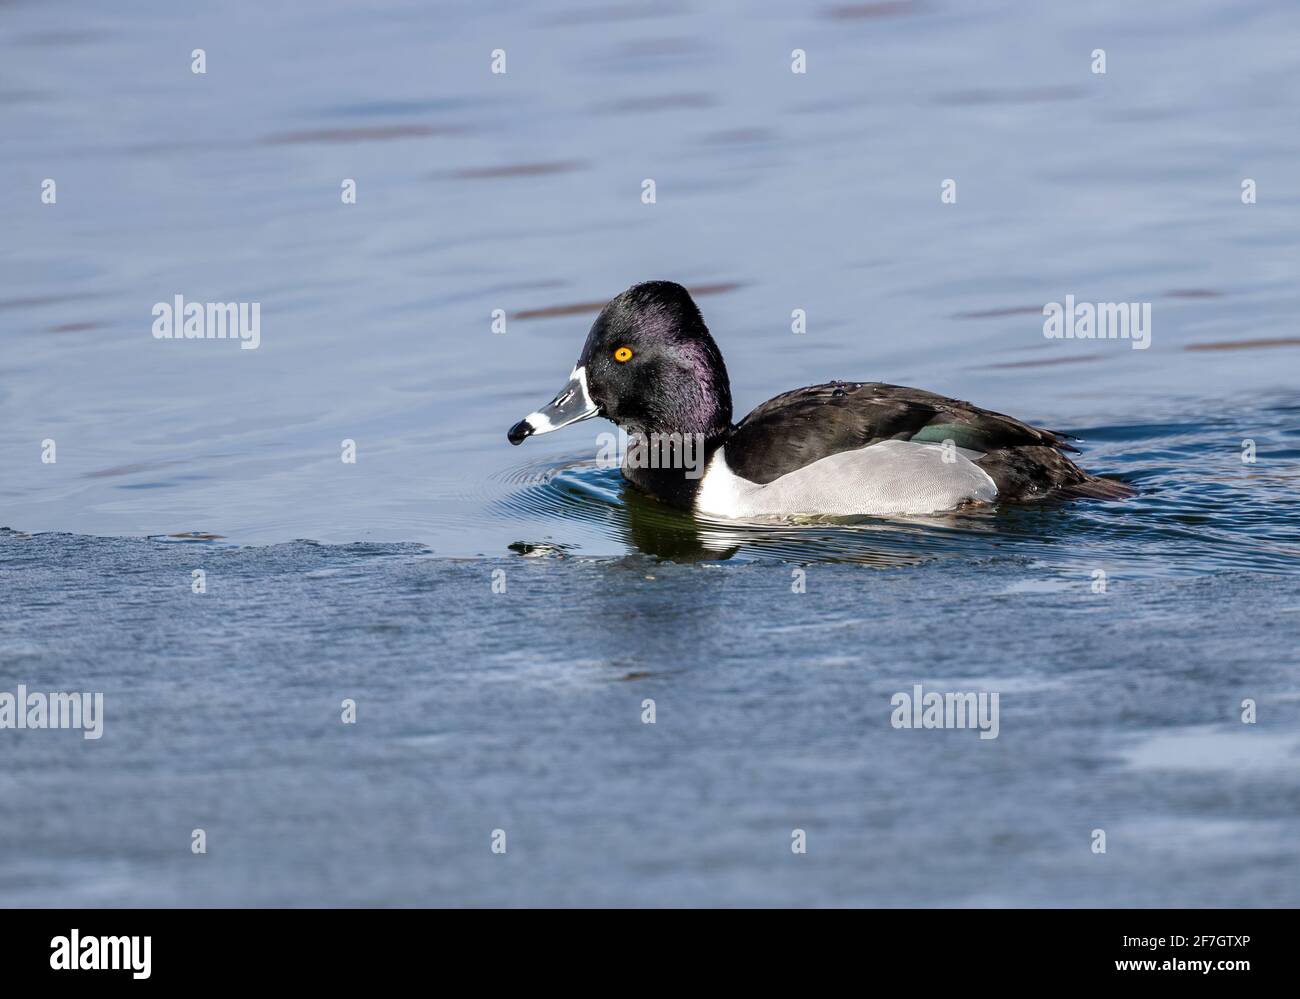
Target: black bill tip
519	431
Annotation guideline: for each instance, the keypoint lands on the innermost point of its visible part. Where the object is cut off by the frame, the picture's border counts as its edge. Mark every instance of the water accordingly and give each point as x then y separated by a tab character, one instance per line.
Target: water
522	711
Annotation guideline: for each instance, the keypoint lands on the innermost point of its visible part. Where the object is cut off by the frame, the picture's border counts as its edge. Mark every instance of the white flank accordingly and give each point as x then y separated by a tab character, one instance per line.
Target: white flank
890	478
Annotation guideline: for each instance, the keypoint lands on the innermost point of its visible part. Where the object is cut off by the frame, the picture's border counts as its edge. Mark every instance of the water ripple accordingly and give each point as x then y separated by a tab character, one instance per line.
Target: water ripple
1201	509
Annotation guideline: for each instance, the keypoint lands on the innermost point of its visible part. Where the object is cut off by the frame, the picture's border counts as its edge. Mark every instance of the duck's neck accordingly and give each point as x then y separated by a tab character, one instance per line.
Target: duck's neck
674	438
670	466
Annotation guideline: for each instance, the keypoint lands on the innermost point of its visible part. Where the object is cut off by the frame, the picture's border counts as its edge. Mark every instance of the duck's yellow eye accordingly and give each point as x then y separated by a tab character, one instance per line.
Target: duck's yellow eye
623	355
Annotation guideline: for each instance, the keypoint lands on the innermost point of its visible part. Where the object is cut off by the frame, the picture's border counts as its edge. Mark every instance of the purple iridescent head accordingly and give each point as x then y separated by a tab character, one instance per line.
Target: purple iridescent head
650	365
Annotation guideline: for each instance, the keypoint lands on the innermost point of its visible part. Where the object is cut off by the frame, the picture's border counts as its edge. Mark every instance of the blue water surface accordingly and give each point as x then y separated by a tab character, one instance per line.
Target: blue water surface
500	617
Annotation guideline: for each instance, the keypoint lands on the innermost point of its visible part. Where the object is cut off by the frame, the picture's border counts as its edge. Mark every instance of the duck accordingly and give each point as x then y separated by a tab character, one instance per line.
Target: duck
840	449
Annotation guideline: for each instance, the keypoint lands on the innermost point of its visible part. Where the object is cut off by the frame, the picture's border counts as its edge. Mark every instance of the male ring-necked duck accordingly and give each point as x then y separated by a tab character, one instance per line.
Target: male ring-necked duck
844	448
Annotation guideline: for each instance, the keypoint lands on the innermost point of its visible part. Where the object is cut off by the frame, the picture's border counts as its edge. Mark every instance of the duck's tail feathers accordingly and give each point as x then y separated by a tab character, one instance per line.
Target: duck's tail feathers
1096	487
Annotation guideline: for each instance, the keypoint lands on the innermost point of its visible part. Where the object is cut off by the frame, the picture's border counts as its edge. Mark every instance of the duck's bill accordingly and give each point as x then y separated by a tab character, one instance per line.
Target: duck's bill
572	405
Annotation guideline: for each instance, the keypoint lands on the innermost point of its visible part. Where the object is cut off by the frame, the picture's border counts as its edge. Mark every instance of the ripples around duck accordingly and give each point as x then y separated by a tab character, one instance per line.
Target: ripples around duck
1201	508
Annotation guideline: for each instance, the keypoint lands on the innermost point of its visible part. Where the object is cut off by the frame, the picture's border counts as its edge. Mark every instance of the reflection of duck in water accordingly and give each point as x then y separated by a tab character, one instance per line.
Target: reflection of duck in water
665	533
841	449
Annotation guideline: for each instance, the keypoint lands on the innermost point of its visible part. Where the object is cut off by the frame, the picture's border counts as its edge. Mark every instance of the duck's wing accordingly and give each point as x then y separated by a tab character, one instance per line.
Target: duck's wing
797	428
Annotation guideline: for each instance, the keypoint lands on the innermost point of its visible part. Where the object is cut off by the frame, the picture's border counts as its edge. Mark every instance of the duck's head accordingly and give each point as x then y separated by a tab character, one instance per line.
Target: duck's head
649	364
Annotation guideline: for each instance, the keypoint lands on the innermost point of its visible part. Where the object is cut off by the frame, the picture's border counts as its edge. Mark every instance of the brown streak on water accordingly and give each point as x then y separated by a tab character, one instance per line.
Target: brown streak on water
361	134
654	48
1258	344
1047	362
35	300
513	170
1194	293
1014	310
132	469
581	308
740	136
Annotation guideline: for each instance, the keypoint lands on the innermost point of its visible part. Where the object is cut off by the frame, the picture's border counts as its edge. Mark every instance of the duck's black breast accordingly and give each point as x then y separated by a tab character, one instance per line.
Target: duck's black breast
796	428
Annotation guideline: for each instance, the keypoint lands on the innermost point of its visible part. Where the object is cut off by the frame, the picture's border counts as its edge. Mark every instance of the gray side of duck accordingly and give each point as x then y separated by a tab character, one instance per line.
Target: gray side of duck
796	428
